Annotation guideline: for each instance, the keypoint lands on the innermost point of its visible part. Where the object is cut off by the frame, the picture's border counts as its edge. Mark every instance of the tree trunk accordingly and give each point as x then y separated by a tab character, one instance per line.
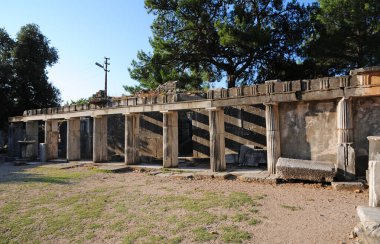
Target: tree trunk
231	78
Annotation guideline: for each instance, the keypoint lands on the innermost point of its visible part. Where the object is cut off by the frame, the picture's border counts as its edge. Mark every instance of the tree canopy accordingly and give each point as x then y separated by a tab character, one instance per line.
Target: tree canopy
345	35
23	72
250	41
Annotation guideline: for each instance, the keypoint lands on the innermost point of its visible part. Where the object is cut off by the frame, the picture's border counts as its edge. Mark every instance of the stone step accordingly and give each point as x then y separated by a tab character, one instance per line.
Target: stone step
368	230
310	170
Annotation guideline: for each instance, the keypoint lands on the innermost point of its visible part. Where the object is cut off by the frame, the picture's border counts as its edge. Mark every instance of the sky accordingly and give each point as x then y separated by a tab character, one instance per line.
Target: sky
84	32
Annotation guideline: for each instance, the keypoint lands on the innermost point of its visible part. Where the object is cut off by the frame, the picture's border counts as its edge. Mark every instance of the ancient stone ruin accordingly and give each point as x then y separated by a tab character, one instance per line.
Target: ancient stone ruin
315	127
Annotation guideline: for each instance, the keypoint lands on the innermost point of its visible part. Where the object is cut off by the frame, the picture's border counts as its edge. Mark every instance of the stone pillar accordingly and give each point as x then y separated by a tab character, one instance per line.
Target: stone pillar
217	144
374	183
99	150
273	136
346	153
15	134
170	139
31	134
132	142
73	139
51	139
374	171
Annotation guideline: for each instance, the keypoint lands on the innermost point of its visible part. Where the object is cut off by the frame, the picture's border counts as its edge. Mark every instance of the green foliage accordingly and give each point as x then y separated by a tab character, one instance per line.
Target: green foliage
232	234
23	72
197	41
291	208
78	102
346	35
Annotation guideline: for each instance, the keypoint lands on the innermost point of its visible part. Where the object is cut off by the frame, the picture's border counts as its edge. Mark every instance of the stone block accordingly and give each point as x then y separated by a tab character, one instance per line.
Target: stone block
374	183
319	171
347	186
251	156
368	230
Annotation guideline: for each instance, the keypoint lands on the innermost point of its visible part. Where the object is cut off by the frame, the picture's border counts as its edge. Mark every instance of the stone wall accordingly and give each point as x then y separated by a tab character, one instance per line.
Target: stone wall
308	130
244	125
366	121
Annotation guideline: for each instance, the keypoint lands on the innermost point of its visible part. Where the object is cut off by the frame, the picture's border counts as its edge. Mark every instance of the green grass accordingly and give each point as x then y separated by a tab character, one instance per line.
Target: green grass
54	205
201	234
232	234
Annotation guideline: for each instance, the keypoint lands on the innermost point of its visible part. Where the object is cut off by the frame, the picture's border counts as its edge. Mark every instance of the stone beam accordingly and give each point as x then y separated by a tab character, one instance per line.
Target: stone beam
170	139
273	136
346	153
73	139
51	139
99	150
217	144
132	128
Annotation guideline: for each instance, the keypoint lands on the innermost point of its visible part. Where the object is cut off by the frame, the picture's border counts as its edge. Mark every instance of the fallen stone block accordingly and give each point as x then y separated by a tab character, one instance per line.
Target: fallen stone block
368	230
348	186
319	171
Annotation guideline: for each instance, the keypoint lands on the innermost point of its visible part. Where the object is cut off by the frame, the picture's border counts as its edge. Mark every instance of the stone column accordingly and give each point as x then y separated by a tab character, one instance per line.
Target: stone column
273	136
346	153
73	139
51	139
131	147
15	134
374	183
374	171
217	144
170	139
31	134
99	150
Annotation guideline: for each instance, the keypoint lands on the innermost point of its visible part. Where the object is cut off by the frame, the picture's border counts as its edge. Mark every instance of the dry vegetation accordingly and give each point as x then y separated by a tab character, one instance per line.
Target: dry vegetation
39	204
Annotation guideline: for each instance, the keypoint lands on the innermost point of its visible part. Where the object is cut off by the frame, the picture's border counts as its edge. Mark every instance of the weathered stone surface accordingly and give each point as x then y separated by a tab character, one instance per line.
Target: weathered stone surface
368	230
319	171
73	139
273	136
217	146
100	152
348	186
170	139
251	156
51	139
374	183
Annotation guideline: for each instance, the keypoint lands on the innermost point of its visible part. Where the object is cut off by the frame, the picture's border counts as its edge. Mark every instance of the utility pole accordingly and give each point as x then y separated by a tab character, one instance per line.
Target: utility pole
105	68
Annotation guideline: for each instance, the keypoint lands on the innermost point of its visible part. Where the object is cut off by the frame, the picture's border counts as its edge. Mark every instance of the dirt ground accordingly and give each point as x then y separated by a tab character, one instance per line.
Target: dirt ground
85	205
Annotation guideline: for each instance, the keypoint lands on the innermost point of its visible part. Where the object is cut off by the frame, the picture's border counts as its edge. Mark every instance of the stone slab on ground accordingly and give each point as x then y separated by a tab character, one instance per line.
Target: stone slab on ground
319	171
368	230
348	186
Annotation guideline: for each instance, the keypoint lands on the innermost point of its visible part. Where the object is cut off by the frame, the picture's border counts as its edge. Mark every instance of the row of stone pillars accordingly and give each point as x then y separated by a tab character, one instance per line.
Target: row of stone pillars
345	155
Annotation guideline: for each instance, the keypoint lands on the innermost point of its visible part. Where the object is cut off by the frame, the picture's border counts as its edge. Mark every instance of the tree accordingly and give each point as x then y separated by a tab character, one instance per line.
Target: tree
24	82
346	35
224	38
6	75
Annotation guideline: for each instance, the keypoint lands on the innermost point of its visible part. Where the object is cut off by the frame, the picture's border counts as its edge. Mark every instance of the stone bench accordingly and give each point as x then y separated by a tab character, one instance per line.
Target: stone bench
319	171
368	230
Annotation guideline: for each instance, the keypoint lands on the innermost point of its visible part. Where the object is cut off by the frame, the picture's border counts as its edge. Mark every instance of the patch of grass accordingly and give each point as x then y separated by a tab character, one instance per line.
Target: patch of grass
106	171
291	208
132	237
10	208
175	240
260	197
201	234
254	221
232	234
237	200
240	217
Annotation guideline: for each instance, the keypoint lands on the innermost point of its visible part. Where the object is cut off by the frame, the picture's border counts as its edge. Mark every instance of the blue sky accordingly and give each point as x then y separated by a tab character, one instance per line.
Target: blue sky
84	31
